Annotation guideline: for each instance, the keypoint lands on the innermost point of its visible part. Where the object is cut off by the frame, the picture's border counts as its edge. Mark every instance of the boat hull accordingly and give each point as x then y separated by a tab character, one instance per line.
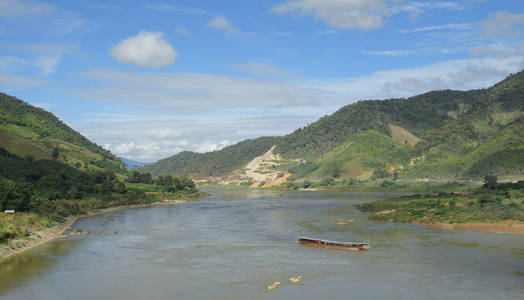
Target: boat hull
357	246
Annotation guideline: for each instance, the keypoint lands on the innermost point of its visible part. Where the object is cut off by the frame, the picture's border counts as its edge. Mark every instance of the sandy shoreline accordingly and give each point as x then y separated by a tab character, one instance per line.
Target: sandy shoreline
58	231
515	227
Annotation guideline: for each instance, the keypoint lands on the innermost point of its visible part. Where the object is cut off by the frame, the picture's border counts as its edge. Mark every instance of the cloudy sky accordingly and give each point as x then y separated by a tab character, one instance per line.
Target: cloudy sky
149	79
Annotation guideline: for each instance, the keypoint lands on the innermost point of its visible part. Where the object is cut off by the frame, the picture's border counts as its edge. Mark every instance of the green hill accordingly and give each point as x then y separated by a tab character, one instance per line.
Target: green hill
26	130
440	135
216	163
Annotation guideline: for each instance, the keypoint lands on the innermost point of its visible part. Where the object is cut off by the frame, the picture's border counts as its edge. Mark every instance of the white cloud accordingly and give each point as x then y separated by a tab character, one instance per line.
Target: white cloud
197	90
164	7
102	6
417	8
325	32
262	69
344	14
361	14
198	131
389	52
48	64
503	24
11	63
454	74
36	16
164	133
194	91
43	58
24	8
420	51
147	49
182	30
450	26
44	105
498	50
10	81
40	48
209	146
223	24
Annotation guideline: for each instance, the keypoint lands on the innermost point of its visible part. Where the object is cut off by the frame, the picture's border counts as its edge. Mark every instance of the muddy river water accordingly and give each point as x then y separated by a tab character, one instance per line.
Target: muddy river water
234	243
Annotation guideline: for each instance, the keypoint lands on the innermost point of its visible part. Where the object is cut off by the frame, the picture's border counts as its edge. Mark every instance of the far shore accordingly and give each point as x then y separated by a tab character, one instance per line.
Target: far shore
58	231
514	227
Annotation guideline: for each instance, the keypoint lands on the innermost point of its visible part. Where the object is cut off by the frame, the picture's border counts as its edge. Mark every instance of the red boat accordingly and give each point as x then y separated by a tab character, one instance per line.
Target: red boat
334	244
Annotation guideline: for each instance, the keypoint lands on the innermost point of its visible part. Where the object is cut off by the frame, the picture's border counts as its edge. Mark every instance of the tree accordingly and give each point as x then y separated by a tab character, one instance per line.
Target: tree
120	187
55	153
334	169
306	184
188	183
490	181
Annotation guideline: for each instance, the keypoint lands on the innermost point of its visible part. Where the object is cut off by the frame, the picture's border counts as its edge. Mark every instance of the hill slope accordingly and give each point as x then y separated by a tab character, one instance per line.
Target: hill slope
212	164
439	135
26	130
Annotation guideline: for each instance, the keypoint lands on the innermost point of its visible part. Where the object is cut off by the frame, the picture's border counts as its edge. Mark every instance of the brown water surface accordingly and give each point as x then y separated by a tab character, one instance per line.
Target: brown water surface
234	243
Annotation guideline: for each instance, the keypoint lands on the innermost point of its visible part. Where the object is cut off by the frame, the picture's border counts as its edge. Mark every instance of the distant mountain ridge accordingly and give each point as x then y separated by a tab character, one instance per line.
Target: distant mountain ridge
439	135
131	164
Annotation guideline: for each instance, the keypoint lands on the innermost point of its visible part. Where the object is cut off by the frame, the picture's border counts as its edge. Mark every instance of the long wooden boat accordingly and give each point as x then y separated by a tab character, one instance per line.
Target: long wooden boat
334	244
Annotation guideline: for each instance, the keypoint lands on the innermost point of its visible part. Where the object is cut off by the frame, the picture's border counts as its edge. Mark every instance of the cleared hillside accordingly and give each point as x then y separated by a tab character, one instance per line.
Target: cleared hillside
215	164
439	135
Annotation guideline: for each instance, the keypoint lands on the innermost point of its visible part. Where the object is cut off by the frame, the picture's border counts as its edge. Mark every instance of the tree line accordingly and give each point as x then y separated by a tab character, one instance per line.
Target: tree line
168	182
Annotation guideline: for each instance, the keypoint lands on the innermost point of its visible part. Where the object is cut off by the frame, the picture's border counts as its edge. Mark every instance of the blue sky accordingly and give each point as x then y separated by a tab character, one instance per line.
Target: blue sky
149	79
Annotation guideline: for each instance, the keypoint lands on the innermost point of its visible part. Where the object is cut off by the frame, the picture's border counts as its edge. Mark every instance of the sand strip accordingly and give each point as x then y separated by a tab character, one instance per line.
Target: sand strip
516	227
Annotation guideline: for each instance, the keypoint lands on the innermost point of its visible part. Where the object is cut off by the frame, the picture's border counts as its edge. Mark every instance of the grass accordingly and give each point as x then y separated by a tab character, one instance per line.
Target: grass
22	225
477	206
23	142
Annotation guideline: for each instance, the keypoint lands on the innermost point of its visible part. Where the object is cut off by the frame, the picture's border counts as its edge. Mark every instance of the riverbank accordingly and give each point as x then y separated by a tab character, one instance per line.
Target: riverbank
57	230
483	210
343	186
514	227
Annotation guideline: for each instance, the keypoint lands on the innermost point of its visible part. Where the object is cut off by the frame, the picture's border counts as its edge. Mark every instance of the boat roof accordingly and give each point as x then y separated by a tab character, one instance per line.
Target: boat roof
332	242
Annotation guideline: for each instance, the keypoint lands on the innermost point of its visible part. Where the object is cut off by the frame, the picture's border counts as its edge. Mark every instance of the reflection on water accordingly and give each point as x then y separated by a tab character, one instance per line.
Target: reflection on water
234	243
15	270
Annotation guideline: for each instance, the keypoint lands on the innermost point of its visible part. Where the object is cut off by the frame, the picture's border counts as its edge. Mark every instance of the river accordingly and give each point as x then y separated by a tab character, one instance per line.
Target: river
233	243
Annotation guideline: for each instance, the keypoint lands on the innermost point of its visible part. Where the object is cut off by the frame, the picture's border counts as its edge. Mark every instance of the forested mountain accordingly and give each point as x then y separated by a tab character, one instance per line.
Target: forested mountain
216	163
439	135
29	131
49	169
45	166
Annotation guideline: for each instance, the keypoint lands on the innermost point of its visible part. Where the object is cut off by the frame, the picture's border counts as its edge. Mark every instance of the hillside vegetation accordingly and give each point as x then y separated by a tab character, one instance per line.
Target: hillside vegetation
48	172
211	164
29	131
440	135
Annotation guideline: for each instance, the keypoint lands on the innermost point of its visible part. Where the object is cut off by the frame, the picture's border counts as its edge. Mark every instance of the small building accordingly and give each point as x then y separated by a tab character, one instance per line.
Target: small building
9	212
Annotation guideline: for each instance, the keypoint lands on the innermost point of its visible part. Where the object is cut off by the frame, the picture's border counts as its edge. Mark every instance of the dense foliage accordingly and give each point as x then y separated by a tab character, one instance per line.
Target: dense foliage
26	183
494	202
418	114
52	187
137	177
